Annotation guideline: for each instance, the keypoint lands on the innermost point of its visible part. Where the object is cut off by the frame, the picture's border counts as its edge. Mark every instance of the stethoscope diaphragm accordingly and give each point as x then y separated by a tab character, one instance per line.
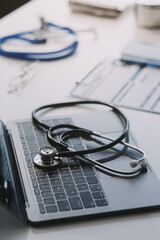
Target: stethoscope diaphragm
46	158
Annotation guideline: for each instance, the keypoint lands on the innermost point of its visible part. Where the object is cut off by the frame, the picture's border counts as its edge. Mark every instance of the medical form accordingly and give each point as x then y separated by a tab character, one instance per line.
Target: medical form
123	84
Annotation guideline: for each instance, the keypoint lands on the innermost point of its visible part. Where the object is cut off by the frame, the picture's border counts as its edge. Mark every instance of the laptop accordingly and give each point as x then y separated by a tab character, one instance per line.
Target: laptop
74	189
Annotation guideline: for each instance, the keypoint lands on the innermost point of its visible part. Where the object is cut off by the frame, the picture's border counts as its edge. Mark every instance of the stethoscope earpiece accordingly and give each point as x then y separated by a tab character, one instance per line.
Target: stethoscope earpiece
135	163
144	163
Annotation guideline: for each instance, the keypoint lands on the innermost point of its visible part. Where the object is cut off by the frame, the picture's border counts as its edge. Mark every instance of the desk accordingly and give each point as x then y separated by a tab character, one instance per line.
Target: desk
46	87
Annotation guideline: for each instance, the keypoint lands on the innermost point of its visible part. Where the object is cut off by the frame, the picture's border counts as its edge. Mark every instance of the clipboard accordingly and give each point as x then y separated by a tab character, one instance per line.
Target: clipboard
134	86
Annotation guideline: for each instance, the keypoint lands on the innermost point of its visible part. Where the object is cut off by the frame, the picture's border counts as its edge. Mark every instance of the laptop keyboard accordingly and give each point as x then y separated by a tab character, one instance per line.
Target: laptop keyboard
71	186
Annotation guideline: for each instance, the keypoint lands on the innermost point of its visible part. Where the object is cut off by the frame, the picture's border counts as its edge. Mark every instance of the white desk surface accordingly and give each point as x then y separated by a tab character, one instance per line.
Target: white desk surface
53	83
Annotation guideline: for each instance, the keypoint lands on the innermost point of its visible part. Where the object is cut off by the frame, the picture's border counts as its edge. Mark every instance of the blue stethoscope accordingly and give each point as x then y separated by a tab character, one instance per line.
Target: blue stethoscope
34	38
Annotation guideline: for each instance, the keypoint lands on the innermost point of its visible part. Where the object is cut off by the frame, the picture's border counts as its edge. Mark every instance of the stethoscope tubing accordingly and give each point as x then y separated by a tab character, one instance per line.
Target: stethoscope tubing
41	56
110	170
63	150
124	144
43	126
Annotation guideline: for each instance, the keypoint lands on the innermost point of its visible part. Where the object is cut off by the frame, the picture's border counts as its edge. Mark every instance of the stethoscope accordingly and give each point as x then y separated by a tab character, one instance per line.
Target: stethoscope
50	157
40	36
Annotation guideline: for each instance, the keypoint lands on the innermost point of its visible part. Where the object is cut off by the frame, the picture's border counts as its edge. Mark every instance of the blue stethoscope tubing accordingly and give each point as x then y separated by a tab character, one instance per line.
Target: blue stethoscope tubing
41	56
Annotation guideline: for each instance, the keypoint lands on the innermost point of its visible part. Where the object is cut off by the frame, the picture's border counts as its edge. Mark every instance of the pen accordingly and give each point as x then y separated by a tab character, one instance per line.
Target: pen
140	61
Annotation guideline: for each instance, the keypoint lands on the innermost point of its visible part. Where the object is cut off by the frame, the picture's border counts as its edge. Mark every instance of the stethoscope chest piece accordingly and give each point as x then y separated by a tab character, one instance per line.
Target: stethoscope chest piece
46	158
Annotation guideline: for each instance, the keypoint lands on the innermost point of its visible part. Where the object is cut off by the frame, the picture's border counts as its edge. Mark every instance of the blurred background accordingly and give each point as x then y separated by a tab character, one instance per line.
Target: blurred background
7	6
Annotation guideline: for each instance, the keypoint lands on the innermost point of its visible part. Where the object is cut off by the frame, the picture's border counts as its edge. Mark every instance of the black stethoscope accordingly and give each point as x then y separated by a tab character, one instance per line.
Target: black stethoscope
40	36
50	157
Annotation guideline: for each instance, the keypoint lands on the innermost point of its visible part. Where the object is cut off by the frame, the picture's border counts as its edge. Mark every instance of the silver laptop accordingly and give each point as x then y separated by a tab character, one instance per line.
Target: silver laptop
74	189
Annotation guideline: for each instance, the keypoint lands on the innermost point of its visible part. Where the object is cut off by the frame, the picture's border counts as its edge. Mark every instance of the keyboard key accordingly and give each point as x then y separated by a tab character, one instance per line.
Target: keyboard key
64	172
63	205
58	189
31	171
92	180
24	146
80	180
42	144
51	209
40	173
35	184
32	143
28	132
44	187
40	134
49	201
71	192
101	202
72	162
77	173
53	175
30	138
88	170
26	153
75	167
36	191
29	164
60	196
33	149
21	136
39	199
41	208
67	178
87	199
28	159
82	187
75	203
69	185
47	194
56	181
42	180
98	195
42	140
33	177
95	187
23	141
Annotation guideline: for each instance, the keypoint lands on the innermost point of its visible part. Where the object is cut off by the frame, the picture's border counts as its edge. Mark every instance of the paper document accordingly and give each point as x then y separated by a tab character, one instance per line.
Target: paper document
125	85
